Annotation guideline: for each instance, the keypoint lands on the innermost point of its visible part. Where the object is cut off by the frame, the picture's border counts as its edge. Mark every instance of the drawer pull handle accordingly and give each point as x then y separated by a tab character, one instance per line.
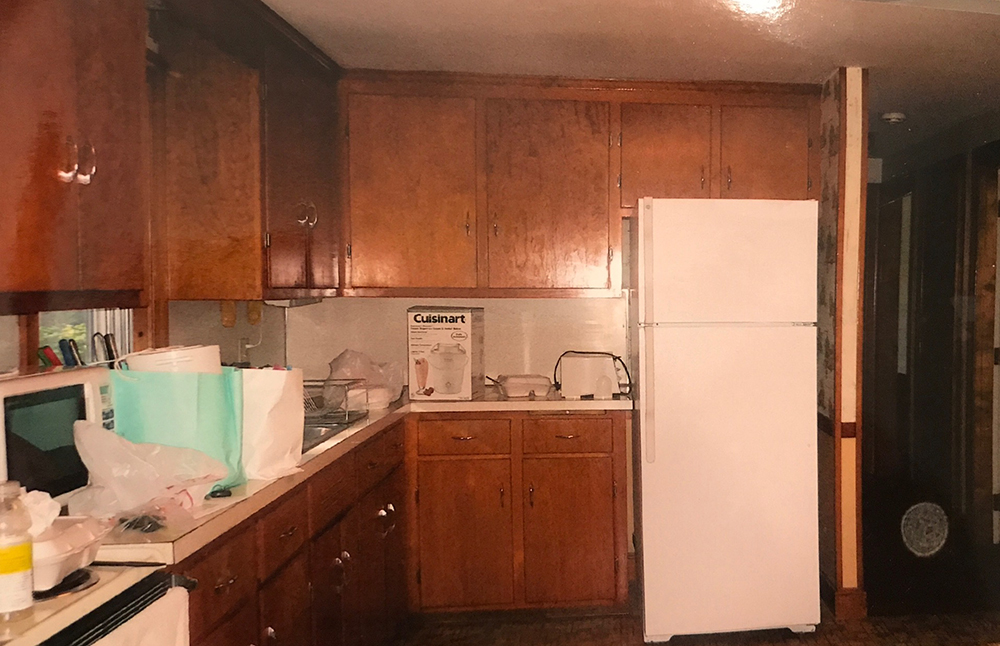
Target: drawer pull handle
566	437
219	588
288	533
531	495
463	438
372	464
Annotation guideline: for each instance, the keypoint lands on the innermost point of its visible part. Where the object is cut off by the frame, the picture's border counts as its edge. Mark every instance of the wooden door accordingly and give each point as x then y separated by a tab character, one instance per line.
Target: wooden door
569	547
364	604
38	137
666	151
213	171
412	191
395	550
547	193
113	215
330	584
285	605
765	152
466	542
320	118
289	152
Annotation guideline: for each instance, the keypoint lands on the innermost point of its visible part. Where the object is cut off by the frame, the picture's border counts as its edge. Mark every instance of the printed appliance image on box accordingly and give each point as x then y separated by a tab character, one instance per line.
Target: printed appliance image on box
445	353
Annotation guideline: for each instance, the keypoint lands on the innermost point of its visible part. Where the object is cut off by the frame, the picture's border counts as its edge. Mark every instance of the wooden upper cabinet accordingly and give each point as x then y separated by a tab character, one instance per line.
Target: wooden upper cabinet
765	152
212	171
547	192
73	79
112	111
569	518
666	151
302	222
412	184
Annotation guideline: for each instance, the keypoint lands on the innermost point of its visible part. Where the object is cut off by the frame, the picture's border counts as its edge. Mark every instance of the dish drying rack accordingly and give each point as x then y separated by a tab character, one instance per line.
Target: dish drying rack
335	401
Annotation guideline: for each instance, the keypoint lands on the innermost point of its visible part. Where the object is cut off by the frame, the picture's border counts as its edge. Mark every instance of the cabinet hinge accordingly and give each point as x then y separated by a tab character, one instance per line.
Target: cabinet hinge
611	254
810	143
416	496
616	565
614	489
996	356
619	140
809	183
348	250
418	576
267	240
619	180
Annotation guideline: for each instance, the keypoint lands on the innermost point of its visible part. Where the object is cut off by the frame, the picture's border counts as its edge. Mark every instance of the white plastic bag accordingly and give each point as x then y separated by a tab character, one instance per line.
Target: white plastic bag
273	414
385	380
125	476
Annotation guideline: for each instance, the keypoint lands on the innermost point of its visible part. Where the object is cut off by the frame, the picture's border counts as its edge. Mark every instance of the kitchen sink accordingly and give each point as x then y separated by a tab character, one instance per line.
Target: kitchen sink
319	430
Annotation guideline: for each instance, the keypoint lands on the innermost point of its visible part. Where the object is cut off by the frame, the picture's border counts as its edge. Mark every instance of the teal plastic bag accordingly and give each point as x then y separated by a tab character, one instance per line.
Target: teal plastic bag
184	410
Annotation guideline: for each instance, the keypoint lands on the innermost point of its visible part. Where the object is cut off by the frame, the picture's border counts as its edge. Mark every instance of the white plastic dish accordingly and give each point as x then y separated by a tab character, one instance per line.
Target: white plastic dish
68	545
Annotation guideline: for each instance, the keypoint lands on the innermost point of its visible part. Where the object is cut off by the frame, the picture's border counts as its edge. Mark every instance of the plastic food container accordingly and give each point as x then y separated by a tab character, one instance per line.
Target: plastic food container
68	545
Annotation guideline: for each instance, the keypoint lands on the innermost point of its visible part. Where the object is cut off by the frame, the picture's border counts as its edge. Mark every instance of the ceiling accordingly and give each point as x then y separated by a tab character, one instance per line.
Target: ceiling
936	65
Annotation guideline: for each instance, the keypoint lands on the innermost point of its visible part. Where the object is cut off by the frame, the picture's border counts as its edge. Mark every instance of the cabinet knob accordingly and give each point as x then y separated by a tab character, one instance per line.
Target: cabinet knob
86	177
345	555
271	634
390	508
71	162
531	495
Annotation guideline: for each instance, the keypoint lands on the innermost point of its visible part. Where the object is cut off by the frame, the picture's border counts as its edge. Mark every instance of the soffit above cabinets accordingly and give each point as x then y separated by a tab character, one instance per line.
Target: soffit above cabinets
935	65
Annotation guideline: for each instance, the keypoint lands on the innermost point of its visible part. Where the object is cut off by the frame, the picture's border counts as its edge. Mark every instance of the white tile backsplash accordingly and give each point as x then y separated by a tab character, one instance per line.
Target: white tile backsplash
200	323
522	335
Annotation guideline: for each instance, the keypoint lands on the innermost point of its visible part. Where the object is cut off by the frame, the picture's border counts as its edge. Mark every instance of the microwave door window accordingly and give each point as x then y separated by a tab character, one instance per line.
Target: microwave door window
39	434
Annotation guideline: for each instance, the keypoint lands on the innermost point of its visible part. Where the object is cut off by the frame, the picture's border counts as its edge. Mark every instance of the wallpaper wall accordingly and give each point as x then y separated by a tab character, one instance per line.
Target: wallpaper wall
829	207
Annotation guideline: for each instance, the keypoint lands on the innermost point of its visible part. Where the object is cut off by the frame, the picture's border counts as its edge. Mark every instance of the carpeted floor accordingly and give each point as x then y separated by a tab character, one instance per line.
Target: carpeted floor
566	629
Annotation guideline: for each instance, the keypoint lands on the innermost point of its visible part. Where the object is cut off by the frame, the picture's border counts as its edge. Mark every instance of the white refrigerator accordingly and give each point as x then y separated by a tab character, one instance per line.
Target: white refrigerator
727	415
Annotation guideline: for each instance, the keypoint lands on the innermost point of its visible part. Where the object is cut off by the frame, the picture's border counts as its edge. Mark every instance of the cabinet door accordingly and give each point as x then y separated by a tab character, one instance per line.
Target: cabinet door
238	630
38	215
285	605
111	68
298	146
412	191
364	603
395	550
547	193
287	148
569	548
666	151
328	565
466	544
765	152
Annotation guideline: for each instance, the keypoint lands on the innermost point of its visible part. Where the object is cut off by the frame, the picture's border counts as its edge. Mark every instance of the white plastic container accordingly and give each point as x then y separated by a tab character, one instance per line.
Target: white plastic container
189	358
70	543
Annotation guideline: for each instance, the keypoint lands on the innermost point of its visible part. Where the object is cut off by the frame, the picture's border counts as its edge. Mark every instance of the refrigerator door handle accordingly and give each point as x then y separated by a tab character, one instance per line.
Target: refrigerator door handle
647	395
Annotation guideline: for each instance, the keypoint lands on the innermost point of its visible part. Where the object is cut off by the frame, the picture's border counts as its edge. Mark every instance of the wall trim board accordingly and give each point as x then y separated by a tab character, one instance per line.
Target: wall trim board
850	604
824	424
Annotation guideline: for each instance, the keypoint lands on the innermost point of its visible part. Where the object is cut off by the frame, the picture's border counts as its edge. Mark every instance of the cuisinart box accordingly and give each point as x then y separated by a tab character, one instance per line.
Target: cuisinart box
445	346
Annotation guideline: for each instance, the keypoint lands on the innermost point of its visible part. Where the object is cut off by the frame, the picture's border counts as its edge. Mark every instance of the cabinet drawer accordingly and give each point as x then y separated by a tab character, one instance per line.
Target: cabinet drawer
282	531
238	630
568	435
463	437
379	456
226	578
331	491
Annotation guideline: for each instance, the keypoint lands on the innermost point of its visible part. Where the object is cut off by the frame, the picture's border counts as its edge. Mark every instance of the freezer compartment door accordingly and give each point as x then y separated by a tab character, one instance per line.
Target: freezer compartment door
728	261
729	505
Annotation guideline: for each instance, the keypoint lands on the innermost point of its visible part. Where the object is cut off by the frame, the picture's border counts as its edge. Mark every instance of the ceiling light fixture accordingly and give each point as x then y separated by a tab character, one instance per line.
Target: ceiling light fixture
894	117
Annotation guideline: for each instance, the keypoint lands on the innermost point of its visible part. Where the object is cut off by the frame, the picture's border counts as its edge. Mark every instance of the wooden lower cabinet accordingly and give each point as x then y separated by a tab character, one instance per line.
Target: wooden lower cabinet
466	542
285	605
328	569
569	541
538	519
395	550
238	630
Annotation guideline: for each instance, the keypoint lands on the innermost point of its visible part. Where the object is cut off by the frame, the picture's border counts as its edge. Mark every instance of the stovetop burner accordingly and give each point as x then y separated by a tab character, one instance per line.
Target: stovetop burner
74	582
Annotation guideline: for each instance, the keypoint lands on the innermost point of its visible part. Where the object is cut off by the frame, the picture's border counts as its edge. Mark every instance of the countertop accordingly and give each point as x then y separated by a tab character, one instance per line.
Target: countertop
173	544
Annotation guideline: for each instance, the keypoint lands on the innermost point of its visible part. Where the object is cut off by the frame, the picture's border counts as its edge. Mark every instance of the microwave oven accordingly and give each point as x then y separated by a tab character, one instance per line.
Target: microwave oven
36	430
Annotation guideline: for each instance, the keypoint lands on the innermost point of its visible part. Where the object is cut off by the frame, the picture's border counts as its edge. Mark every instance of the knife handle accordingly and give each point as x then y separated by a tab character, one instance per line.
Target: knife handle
75	351
67	354
51	355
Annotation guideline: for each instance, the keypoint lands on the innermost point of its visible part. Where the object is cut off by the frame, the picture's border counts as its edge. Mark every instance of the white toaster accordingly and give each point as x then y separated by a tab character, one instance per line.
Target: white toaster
588	374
